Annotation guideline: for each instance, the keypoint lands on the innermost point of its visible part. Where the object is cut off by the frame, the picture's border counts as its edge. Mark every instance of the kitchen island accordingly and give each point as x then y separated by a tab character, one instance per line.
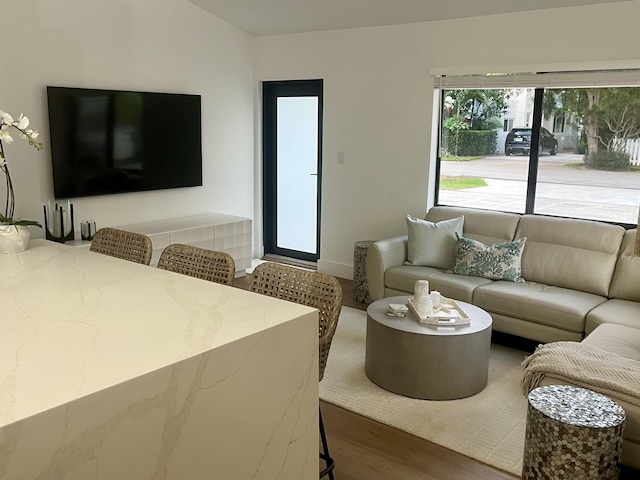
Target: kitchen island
115	370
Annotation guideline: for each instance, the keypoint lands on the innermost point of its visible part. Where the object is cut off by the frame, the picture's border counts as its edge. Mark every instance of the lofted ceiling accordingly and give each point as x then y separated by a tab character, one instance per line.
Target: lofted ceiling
274	17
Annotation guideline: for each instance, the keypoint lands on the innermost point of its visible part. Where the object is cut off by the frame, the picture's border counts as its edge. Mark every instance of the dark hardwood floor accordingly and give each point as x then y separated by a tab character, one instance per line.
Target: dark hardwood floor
367	450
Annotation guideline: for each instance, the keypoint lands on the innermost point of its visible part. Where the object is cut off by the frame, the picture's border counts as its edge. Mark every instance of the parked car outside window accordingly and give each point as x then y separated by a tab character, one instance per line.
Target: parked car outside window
519	141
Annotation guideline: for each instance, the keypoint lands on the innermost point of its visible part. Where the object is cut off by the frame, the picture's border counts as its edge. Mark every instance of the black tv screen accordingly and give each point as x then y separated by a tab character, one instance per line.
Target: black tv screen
108	141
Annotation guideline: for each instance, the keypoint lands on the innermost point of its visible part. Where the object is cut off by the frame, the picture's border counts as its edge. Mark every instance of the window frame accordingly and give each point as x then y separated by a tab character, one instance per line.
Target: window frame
540	81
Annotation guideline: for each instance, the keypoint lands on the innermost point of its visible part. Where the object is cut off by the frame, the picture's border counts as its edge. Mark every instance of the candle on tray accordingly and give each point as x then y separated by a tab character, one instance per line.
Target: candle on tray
421	291
435	298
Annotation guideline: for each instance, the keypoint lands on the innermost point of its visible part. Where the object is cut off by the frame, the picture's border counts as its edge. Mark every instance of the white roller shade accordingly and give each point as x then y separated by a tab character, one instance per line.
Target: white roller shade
602	78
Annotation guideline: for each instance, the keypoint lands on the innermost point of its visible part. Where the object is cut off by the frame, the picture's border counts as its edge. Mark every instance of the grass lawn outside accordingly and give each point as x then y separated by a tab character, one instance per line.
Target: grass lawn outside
458	183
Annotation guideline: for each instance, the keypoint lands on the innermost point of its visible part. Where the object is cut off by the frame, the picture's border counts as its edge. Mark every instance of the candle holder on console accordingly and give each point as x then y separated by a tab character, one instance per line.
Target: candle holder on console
54	223
87	229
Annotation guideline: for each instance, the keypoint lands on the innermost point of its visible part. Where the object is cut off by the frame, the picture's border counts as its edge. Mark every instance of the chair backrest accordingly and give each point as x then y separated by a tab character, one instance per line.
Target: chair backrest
198	262
134	247
313	289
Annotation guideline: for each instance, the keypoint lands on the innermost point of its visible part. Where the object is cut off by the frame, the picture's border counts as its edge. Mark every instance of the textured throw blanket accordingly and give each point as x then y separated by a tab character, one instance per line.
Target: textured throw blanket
584	366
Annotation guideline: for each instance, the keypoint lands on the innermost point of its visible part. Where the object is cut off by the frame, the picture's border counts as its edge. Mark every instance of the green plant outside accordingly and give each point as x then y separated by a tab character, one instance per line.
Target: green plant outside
607	160
470	142
459	183
583	166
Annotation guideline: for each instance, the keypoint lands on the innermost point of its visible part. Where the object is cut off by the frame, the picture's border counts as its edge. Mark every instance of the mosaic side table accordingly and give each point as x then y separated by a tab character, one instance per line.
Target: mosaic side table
360	287
572	434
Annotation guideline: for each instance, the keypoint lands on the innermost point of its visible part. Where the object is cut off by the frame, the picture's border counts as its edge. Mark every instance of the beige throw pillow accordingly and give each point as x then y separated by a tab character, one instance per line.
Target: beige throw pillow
433	244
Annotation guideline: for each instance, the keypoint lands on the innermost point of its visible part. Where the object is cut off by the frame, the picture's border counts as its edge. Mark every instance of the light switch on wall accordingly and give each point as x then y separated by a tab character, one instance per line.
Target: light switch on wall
340	157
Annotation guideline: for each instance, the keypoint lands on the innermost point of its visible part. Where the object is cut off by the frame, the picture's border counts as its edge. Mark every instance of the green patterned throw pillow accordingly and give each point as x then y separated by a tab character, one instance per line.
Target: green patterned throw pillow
502	261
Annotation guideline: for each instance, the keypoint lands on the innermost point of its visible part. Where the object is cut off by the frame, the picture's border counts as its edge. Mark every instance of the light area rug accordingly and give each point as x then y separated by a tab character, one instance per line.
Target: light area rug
488	427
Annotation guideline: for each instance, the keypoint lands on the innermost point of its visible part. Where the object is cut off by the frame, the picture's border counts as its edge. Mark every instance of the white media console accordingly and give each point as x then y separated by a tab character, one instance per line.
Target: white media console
216	231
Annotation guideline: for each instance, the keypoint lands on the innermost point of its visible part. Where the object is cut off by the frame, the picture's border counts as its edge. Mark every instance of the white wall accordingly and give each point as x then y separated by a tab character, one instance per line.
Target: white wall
378	100
150	45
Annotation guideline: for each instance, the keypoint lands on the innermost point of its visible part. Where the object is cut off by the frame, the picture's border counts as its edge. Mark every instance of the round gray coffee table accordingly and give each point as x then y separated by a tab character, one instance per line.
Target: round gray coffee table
427	361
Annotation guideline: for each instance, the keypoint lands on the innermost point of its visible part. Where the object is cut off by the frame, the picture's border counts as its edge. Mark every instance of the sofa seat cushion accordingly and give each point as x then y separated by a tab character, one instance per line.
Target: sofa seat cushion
404	278
620	339
535	302
623	312
459	287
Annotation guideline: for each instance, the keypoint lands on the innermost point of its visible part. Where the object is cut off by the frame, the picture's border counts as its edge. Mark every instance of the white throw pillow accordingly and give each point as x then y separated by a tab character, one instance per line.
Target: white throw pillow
433	244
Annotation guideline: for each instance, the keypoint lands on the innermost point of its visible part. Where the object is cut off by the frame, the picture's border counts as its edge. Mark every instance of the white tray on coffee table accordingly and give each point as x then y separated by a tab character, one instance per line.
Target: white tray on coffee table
449	313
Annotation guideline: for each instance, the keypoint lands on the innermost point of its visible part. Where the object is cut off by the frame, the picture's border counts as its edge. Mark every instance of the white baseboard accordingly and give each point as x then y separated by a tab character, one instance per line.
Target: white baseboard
340	270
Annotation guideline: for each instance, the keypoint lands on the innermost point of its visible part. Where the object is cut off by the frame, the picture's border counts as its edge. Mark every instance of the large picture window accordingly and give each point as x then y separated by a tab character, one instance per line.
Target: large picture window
570	151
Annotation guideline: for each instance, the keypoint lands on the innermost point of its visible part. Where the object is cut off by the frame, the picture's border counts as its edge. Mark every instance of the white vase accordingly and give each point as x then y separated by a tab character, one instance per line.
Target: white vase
14	238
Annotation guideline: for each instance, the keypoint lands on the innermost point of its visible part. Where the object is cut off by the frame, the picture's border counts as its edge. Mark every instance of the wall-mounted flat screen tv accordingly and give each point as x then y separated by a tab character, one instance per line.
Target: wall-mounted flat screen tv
108	141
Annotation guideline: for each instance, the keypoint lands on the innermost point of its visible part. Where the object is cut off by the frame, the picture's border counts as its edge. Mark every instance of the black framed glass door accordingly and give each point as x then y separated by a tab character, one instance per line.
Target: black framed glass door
292	173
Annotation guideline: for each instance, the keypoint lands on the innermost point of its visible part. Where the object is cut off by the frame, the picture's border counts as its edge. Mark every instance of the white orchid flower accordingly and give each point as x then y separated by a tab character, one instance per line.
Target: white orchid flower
6	136
6	118
34	134
22	123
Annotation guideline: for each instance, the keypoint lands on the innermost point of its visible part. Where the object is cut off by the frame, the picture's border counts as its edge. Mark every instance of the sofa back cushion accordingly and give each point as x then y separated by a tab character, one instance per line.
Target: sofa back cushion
563	252
483	225
626	276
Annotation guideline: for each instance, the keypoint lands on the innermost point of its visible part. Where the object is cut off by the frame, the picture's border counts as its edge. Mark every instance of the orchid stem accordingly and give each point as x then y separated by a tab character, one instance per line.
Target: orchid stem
10	200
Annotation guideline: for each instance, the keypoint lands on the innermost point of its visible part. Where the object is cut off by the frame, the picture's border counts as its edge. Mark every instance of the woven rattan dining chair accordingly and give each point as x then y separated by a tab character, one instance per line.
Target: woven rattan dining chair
198	262
315	290
134	247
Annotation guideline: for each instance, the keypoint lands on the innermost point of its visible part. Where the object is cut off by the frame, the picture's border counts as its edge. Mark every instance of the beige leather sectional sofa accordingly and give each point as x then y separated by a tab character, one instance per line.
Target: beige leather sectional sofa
578	274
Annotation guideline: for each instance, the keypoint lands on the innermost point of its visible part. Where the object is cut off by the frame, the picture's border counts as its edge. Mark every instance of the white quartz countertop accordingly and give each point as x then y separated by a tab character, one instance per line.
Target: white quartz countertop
75	322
